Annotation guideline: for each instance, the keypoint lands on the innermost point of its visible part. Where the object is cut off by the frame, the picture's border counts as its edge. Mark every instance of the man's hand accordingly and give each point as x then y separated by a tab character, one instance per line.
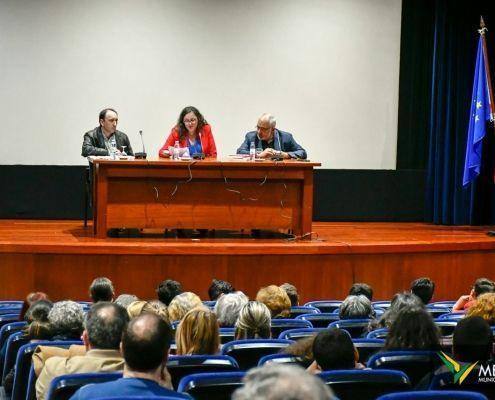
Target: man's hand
269	152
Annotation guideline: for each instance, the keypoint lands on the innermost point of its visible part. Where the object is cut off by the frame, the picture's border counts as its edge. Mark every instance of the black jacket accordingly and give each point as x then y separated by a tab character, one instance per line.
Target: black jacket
94	143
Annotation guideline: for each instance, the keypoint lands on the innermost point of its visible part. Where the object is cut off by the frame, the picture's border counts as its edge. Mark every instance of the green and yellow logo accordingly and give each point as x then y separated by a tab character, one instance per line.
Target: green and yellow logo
460	372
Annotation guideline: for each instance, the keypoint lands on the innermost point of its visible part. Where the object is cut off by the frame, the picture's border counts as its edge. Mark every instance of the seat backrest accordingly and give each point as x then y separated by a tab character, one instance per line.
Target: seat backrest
206	386
23	365
247	353
435	312
325	306
445	381
5	331
64	386
434	395
378	334
452	316
367	347
14	342
381	304
284	359
180	366
355	327
300	310
446	326
226	335
280	325
443	304
296	334
319	320
11	304
415	364
365	384
210	304
7	318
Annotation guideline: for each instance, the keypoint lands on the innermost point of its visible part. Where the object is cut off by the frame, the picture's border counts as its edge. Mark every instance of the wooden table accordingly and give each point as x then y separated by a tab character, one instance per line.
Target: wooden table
207	194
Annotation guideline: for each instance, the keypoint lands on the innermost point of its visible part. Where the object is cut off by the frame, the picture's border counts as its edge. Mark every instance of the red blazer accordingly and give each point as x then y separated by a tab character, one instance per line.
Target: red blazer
205	136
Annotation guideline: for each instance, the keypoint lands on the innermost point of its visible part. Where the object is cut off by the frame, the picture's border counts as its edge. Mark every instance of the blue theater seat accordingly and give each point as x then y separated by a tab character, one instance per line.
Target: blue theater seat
206	386
367	348
365	384
284	359
296	334
319	320
355	327
378	334
247	353
300	310
325	306
64	386
433	395
280	325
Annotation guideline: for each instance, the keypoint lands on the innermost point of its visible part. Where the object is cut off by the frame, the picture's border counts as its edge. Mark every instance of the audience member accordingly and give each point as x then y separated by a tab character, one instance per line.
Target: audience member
219	287
182	304
303	349
276	300
472	340
167	290
145	346
66	319
291	291
104	325
363	289
484	307
481	286
413	329
228	306
139	307
423	288
356	307
38	311
399	301
254	322
333	349
282	382
30	299
101	289
124	300
197	333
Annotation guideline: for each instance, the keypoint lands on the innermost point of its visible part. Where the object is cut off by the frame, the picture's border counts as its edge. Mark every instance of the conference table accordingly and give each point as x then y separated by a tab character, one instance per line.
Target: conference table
231	194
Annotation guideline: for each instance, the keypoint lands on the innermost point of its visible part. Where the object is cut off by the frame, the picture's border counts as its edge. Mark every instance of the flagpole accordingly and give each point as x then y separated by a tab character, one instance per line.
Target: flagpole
482	32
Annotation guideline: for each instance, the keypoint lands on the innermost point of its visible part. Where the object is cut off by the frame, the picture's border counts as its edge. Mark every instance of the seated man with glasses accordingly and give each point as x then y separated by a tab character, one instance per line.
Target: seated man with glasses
270	142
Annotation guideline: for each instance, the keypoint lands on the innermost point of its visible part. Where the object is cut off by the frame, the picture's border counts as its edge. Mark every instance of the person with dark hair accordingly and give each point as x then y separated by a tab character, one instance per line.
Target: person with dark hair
399	301
219	287
333	349
30	299
101	289
361	288
145	346
104	325
291	291
39	311
423	288
167	290
481	286
472	340
101	140
191	132
413	329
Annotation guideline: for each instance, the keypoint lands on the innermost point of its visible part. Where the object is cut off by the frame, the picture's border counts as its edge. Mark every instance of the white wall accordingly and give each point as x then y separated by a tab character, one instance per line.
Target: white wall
327	69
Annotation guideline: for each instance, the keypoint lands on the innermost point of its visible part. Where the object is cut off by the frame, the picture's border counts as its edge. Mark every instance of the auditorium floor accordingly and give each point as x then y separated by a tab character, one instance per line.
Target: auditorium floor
47	236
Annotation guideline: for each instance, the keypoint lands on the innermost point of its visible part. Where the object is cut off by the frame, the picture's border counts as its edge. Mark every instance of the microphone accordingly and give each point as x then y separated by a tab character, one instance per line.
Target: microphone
141	155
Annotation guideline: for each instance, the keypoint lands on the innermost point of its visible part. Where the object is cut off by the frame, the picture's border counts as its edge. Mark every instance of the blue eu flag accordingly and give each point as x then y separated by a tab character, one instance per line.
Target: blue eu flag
479	114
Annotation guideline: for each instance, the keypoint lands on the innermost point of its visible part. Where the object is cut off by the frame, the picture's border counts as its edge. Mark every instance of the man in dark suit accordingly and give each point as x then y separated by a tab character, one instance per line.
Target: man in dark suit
270	142
99	141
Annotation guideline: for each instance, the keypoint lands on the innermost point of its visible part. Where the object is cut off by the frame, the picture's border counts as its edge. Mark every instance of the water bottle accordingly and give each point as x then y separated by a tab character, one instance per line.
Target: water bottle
113	149
252	151
175	155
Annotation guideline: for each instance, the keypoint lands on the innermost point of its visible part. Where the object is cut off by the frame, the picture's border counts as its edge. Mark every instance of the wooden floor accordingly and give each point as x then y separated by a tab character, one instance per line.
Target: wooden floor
62	257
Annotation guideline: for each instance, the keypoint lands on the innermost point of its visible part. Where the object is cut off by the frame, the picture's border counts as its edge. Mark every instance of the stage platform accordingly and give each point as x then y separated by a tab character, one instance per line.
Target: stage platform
62	257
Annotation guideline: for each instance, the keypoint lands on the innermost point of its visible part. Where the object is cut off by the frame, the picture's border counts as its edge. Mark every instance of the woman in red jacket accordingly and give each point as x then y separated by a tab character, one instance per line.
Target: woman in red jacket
191	131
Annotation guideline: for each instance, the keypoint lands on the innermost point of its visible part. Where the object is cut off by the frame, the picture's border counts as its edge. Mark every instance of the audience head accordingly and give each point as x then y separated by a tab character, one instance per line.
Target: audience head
413	329
30	299
266	126
291	291
282	382
182	304
38	330
473	340
198	333
254	322
276	300
333	349
145	343
228	306
167	290
219	287
66	319
399	301
139	307
124	300
190	120
484	308
101	289
423	288
363	289
104	325
38	311
302	348
108	119
483	285
356	307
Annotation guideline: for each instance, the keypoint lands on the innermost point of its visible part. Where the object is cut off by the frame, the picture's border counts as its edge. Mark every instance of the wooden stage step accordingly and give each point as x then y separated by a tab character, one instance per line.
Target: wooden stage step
62	258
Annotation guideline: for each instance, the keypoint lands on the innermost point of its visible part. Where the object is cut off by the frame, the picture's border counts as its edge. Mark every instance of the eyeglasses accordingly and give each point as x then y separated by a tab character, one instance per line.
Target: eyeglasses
190	121
262	128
